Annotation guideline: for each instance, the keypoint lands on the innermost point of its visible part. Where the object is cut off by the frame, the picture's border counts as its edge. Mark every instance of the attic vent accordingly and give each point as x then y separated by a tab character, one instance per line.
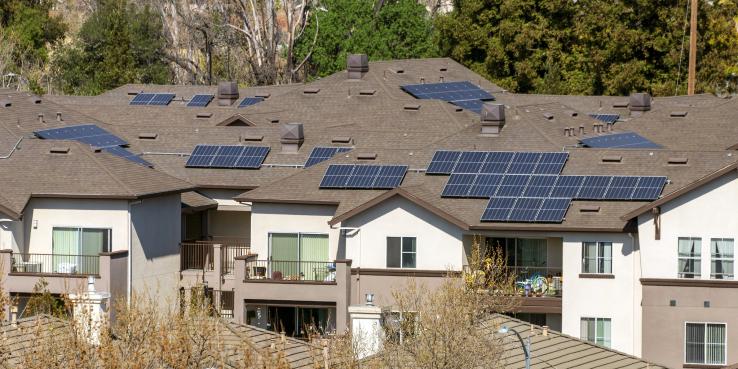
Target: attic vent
367	92
548	116
263	95
132	93
311	91
620	104
366	156
59	150
5	103
571	113
35	99
204	115
589	209
612	159
678	114
678	161
252	137
236	121
397	71
443	69
341	139
148	136
412	107
273	120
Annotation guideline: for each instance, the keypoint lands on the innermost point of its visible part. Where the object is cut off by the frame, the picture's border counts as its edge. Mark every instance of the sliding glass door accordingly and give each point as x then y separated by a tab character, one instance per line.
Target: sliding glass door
76	250
299	256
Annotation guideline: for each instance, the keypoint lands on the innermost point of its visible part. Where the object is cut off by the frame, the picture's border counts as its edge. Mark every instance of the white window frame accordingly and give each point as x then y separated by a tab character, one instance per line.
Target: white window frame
599	257
609	339
725	276
402	252
79	229
697	260
299	241
725	346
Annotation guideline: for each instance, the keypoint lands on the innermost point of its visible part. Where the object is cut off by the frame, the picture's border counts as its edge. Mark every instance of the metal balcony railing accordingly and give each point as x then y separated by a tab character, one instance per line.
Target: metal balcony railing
196	255
56	264
279	270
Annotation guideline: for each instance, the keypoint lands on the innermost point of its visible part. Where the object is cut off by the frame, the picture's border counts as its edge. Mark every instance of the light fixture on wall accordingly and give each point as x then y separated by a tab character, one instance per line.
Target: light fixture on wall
370	299
35	223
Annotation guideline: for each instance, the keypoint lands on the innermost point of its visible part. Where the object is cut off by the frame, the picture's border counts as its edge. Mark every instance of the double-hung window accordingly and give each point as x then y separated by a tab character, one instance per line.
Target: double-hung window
704	343
596	330
401	252
597	257
690	251
721	254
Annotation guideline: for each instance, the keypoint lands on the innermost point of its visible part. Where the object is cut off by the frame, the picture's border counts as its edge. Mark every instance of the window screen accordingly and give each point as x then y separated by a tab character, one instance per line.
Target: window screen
704	343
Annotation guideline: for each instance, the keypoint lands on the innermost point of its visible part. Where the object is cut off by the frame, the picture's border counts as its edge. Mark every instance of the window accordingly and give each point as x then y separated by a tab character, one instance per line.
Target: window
596	330
690	250
401	252
597	257
76	250
399	325
299	255
704	343
721	252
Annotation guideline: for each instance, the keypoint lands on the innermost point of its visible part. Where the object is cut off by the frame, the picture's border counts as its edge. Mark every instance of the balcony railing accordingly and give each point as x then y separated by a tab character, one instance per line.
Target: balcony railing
538	281
56	264
277	270
196	255
228	254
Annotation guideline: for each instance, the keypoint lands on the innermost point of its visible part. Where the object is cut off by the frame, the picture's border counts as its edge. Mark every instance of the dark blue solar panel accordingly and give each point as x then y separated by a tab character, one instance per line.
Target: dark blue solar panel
363	176
250	101
86	133
512	185
540	186
627	140
551	163
202	156
606	118
525	210
458	185
321	154
553	210
200	100
567	186
336	176
497	162
621	188
649	188
464	94
524	163
594	187
252	157
390	176
161	99
443	162
142	99
470	162
123	153
498	209
227	156
485	185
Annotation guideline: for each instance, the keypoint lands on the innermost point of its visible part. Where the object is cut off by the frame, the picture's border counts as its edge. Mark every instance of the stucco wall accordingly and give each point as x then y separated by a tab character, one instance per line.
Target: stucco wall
155	225
42	215
438	242
290	218
229	224
11	233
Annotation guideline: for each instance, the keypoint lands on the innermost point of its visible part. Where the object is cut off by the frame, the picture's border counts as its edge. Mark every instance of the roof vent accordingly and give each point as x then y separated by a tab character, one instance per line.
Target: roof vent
227	93
443	69
41	118
589	209
311	91
252	137
273	120
357	65
548	116
571	113
35	99
678	114
397	70
367	92
59	150
204	115
620	104
59	116
341	139
236	121
132	93
148	136
5	103
366	156
612	159
677	161
292	137
412	107
263	95
492	118
640	101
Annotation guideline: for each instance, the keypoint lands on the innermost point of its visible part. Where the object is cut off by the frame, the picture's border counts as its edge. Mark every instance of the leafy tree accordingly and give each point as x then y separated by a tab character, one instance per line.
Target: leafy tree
399	29
119	43
32	27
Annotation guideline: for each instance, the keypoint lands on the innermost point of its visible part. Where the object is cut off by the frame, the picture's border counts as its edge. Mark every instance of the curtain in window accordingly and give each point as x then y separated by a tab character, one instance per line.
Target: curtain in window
721	266
314	248
64	242
394	252
408	252
285	254
605	258
603	332
715	344
690	250
695	344
531	252
589	257
587	329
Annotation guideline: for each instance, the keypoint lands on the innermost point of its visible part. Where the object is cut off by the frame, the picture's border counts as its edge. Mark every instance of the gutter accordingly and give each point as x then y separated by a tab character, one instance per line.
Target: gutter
129	288
15	147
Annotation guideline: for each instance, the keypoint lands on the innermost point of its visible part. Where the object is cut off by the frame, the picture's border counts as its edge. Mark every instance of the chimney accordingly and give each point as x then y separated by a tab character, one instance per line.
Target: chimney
292	137
492	118
366	327
227	93
640	101
358	65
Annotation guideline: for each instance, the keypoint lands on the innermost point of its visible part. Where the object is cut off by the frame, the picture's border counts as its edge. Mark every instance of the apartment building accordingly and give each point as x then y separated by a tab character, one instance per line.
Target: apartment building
293	202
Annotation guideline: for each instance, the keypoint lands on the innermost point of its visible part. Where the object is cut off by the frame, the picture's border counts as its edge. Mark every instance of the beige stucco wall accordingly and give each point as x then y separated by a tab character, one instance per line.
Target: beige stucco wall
229	224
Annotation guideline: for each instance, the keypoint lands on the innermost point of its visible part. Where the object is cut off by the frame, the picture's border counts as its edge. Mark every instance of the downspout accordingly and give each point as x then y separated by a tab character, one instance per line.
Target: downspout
635	285
129	288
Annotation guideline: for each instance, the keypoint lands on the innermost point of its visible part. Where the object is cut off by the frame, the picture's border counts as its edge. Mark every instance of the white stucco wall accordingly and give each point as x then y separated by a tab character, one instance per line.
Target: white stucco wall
42	215
438	242
11	233
617	298
224	196
707	212
290	218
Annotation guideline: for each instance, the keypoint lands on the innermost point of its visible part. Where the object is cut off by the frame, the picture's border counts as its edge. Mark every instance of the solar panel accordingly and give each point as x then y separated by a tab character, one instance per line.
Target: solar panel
525	209
496	162
470	162
336	176
498	209
458	185
248	101
227	156
390	176
524	162
512	185
539	186
141	99
123	153
551	163
464	93
594	187
649	188
200	101
363	176
321	154
621	188
85	133
606	118
567	186
161	99
485	185
626	140
443	162
553	210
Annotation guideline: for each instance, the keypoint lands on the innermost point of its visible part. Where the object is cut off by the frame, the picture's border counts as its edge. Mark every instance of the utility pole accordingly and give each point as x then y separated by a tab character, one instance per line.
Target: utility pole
692	77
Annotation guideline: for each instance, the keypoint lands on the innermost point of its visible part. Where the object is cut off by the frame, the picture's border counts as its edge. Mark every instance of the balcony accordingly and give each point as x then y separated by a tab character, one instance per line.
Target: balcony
201	255
538	281
55	264
275	270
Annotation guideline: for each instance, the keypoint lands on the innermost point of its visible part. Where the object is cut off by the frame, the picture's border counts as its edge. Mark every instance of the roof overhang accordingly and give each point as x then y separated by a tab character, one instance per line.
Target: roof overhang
406	195
682	191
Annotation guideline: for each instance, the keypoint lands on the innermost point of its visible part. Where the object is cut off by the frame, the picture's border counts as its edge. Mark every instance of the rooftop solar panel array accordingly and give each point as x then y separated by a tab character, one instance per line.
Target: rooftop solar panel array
526	209
605	118
248	101
497	162
625	140
227	156
124	153
464	93
352	176
321	154
152	99
200	101
94	136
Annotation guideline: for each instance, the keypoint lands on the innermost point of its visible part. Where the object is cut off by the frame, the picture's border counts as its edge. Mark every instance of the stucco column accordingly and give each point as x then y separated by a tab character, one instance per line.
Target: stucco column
6	257
239	290
217	265
343	297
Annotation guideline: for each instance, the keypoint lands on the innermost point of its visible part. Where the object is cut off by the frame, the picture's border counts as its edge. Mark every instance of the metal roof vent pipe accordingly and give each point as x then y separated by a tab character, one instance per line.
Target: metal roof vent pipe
492	118
357	65
227	93
639	101
292	138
